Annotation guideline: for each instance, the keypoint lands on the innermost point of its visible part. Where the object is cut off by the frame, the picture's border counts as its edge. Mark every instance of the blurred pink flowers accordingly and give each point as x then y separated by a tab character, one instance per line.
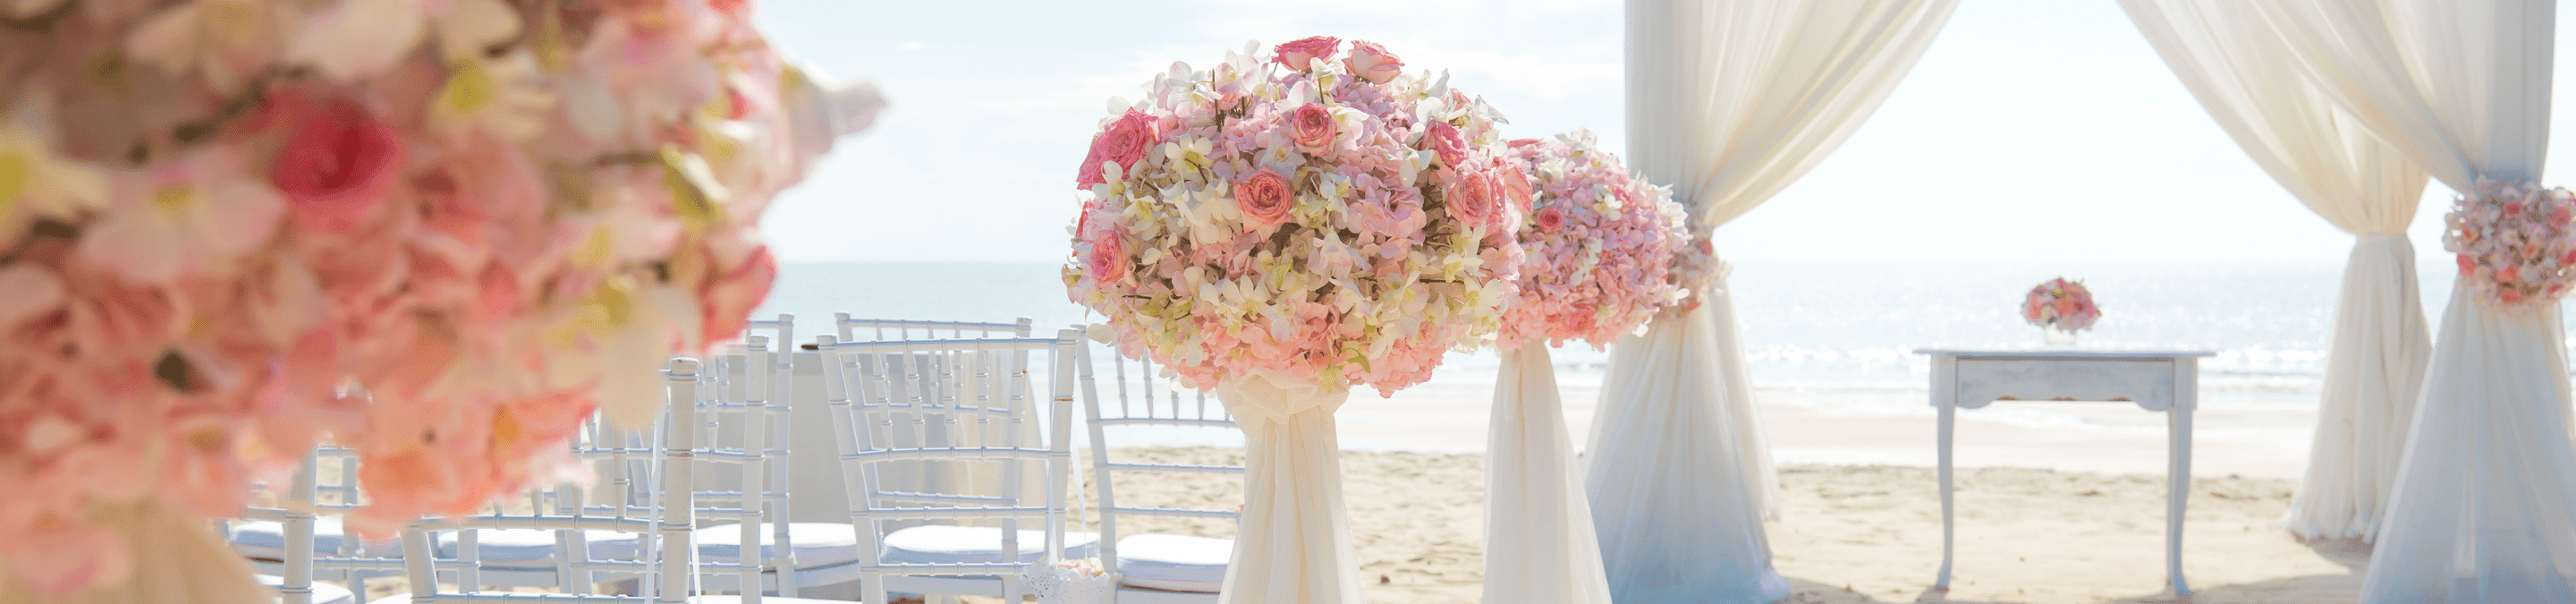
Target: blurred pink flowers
385	223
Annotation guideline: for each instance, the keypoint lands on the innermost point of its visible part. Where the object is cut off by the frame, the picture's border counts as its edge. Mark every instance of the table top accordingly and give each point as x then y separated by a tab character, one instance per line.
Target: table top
2063	353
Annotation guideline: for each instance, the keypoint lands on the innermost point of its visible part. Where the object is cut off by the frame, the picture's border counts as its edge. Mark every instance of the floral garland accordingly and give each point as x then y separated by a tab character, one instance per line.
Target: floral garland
2062	304
1313	216
1600	243
2514	242
441	233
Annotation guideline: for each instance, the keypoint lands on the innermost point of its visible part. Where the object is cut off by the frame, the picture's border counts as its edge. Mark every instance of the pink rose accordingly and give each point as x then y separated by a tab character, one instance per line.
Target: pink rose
1373	63
1516	188
1448	142
2469	266
2509	294
1302	53
1108	261
1311	127
2065	307
1124	142
1550	219
2510	273
1264	198
1471	198
339	161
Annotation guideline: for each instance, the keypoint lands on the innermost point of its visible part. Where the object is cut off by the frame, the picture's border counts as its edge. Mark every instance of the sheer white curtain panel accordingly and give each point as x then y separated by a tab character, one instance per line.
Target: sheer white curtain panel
2479	512
2248	79
1728	102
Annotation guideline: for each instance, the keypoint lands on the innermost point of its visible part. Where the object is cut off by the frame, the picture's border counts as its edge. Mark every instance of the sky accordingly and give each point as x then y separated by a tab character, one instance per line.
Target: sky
2031	130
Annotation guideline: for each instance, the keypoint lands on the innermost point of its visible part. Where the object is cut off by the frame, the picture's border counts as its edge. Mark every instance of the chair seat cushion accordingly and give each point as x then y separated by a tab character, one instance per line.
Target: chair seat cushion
266	539
946	544
1174	562
817	544
535	549
323	593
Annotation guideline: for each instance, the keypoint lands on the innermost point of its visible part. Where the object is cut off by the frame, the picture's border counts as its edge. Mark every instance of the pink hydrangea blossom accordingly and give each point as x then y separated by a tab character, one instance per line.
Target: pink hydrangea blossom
1601	245
287	223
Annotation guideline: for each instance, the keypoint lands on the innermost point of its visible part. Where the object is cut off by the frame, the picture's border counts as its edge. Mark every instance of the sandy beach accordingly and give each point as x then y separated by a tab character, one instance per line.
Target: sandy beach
1856	534
2047	514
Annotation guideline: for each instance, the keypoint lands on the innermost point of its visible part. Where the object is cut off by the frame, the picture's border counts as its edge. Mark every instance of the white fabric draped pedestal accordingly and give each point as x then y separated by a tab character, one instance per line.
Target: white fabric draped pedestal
1728	103
2249	80
2482	507
2480	512
1677	510
1292	542
1539	541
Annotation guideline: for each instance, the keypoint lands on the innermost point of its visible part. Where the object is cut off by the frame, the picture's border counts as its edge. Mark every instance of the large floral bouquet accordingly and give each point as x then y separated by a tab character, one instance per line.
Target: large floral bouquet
441	232
1314	216
1600	241
2062	304
2514	242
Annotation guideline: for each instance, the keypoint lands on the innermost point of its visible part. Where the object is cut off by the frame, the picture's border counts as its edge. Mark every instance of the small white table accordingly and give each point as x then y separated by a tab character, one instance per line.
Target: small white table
2157	380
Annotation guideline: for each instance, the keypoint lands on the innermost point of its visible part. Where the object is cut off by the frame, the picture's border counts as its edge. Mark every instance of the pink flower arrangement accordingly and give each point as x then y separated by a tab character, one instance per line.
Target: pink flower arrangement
2514	242
2061	304
442	233
1312	216
1600	243
1695	273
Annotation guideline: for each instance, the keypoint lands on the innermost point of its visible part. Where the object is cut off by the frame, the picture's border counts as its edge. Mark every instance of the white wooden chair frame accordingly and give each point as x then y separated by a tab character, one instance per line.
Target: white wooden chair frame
863	398
1205	413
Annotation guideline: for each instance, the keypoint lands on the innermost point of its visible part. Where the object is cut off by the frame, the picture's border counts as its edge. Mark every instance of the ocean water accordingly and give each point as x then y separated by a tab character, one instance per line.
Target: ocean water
1837	338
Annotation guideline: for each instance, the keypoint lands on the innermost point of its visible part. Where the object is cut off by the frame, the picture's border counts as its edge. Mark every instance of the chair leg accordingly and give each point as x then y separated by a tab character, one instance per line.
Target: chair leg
872	590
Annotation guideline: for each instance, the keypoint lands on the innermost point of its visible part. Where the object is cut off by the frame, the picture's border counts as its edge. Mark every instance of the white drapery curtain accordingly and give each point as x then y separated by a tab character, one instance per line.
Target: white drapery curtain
2480	509
1292	542
2246	76
1539	540
1728	102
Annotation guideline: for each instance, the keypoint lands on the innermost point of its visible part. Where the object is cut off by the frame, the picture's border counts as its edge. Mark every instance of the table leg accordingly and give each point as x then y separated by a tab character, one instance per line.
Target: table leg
1948	414
2178	492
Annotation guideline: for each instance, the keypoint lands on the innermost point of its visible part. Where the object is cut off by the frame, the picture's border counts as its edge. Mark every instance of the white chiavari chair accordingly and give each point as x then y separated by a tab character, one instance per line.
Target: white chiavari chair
1154	568
746	407
979	390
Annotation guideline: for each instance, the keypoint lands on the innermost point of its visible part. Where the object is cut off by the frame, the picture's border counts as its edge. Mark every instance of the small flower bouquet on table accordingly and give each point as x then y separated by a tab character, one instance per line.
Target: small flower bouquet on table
2515	243
2062	307
441	233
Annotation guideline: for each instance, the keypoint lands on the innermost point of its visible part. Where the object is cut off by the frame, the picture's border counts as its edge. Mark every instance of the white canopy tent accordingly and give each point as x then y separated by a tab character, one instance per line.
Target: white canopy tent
2348	104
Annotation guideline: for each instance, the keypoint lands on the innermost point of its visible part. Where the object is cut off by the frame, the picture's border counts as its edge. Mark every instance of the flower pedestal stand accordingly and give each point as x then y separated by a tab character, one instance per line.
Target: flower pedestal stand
1292	542
1540	545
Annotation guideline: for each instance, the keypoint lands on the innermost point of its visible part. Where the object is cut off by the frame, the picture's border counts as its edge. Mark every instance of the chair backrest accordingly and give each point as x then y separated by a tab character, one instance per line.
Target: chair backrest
881	330
658	514
744	417
886	395
1145	407
933	474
